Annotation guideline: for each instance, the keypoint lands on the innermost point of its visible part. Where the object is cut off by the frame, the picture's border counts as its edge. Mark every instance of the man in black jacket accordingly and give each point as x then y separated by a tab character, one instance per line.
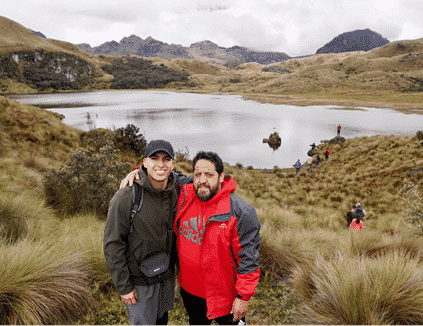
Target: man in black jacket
127	243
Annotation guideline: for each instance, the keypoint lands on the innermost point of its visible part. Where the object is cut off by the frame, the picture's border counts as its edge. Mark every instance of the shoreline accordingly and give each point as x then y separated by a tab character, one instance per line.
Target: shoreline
302	100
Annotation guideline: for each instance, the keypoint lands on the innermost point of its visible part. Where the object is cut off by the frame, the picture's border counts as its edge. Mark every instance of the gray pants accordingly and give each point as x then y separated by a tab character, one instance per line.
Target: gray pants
153	301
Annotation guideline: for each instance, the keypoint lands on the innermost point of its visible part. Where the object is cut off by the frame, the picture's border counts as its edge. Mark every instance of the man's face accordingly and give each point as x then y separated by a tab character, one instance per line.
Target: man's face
159	166
206	179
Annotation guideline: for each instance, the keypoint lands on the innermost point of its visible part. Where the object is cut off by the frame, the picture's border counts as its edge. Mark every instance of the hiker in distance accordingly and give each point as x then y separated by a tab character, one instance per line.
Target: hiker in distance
351	215
297	166
338	131
218	239
309	162
136	245
313	146
318	160
326	153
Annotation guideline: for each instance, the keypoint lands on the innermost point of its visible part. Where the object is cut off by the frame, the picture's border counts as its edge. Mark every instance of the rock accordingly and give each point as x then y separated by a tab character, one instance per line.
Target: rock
337	140
274	140
419	135
311	152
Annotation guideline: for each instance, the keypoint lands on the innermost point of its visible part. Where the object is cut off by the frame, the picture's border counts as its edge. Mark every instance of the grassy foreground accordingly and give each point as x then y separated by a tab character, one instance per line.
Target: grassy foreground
315	270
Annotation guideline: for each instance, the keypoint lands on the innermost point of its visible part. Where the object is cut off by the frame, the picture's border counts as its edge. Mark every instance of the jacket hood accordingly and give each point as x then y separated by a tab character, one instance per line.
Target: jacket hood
227	186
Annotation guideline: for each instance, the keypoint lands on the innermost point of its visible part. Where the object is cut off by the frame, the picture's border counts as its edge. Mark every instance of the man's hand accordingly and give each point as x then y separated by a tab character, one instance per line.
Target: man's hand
239	309
129	180
130	298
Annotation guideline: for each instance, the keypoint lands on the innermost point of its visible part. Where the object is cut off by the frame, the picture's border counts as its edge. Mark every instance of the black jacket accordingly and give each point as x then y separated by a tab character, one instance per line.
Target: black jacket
124	250
350	217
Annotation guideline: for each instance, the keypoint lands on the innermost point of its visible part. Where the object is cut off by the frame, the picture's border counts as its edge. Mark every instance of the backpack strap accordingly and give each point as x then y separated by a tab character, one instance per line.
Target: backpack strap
137	198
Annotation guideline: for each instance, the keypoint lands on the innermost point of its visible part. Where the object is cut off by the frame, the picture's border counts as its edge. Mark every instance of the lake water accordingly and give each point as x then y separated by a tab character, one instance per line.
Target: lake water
226	124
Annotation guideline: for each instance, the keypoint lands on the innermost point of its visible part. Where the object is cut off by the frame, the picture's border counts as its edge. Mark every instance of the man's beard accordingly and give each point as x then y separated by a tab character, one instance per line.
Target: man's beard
206	197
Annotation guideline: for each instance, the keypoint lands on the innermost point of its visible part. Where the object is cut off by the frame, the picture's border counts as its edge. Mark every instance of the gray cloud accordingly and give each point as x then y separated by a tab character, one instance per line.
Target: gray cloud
295	27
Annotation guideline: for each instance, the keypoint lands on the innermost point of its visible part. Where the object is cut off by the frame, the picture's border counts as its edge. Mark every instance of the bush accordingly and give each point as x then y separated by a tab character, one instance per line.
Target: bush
97	138
86	183
127	139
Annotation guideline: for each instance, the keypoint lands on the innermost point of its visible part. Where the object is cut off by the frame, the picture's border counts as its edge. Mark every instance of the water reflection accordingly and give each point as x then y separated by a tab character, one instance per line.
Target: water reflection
227	124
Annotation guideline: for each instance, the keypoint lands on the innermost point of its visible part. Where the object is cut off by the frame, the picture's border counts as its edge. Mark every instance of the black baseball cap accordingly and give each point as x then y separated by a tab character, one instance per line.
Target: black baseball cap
159	146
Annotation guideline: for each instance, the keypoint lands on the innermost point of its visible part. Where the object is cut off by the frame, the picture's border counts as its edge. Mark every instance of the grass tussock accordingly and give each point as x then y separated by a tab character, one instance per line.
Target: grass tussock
42	284
358	290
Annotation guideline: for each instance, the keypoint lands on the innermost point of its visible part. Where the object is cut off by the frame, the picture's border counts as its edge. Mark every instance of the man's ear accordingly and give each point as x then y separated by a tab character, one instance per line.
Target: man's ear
221	177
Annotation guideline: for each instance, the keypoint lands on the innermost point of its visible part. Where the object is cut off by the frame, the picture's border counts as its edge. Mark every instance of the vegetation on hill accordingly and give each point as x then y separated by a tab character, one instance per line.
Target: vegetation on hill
137	73
314	269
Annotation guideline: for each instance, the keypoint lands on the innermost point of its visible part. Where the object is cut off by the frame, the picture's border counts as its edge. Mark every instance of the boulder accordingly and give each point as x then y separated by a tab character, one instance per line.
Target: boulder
337	140
274	140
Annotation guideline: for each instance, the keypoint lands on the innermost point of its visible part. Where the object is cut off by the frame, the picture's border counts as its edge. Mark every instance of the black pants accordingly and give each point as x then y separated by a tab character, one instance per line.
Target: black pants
196	308
163	320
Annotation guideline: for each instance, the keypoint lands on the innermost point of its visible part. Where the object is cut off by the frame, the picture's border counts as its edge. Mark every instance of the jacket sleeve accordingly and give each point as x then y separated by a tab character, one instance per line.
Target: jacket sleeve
182	179
115	243
245	246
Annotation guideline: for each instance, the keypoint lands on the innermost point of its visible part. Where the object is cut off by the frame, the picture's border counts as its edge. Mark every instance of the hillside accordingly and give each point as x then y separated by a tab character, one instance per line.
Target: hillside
302	217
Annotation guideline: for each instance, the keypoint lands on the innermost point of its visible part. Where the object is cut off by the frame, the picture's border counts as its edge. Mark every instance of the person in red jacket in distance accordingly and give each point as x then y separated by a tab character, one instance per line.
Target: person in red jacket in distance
218	238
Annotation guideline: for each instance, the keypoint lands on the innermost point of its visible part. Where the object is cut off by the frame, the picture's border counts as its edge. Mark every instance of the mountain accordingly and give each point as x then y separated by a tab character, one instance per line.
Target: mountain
137	46
359	40
203	51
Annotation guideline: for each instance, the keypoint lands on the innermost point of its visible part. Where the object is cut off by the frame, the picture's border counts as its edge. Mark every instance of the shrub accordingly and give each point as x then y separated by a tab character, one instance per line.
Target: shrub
181	156
86	183
97	138
127	139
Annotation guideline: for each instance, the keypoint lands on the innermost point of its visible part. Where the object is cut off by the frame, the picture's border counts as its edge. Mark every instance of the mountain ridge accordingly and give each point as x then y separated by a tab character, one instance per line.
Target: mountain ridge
358	40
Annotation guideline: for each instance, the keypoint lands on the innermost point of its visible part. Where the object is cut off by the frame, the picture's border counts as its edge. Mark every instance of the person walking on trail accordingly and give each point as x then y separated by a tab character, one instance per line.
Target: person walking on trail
309	162
218	239
129	243
326	153
297	166
338	130
351	215
356	224
318	160
313	146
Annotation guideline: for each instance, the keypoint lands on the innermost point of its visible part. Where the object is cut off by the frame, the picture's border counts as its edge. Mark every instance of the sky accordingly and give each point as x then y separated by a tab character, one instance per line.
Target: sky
295	27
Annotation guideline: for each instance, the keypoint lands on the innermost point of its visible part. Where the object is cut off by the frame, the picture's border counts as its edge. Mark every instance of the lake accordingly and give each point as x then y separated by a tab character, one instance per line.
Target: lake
226	124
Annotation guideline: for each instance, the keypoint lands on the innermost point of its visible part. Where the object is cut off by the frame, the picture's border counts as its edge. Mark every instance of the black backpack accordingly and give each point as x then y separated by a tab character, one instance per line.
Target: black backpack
155	262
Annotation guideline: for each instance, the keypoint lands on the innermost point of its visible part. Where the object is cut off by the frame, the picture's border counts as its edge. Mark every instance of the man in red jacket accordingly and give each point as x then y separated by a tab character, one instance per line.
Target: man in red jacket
218	239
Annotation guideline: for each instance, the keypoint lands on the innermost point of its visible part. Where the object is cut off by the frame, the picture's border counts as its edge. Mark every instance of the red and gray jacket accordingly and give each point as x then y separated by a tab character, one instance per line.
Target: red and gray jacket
221	239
